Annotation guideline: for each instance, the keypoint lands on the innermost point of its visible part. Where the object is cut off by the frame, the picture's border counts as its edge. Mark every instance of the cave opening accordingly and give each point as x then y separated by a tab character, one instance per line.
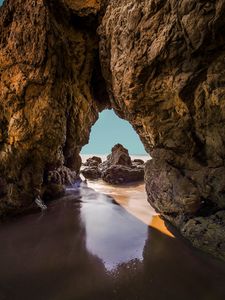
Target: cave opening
114	157
110	130
110	138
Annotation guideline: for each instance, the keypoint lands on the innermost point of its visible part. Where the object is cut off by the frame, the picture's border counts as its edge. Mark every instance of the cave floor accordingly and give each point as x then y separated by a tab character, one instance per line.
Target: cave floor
86	246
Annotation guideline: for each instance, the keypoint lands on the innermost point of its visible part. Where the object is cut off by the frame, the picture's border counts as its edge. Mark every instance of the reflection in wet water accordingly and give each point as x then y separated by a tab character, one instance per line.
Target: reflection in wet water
134	199
69	253
102	220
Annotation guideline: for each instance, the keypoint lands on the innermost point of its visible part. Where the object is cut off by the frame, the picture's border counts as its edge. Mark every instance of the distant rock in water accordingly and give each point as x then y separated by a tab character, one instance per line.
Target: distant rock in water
138	162
117	169
118	174
93	161
119	156
91	172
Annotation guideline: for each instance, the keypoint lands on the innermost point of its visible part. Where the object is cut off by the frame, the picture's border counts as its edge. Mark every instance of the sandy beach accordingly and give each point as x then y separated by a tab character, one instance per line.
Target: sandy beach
102	242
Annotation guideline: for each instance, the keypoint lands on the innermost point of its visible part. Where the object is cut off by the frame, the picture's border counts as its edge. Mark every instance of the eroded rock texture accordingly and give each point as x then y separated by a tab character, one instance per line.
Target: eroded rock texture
164	64
48	52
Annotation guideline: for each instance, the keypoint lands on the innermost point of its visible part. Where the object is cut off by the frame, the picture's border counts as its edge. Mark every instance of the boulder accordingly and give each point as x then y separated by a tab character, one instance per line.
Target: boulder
119	156
138	162
119	174
91	173
118	167
93	161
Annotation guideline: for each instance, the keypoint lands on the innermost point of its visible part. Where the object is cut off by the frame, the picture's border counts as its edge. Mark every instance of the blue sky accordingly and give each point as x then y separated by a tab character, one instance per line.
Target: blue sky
110	130
1	1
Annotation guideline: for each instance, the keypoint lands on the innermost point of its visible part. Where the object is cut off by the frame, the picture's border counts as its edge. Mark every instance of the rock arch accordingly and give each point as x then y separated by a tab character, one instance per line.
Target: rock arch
163	66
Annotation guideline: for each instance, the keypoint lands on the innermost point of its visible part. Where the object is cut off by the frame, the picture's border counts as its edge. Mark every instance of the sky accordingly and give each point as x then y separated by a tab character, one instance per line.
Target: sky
110	130
1	1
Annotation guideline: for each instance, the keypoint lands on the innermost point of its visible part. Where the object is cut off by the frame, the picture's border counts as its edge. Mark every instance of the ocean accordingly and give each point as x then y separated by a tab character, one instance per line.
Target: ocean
144	157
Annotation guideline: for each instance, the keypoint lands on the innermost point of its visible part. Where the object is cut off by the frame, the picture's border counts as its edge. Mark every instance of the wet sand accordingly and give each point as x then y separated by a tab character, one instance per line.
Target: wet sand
87	247
134	199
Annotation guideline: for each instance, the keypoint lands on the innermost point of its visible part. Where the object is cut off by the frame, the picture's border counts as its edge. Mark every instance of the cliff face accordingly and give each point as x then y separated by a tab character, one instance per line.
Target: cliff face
48	60
163	63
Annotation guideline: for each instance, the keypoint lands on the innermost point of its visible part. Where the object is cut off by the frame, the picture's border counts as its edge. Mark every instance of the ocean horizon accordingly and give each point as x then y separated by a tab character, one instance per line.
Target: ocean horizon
144	157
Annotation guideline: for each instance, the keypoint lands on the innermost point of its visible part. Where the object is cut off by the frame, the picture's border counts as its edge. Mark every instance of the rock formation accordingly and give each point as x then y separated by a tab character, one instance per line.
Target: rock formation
118	156
163	63
93	161
117	169
138	162
117	174
48	102
91	173
91	170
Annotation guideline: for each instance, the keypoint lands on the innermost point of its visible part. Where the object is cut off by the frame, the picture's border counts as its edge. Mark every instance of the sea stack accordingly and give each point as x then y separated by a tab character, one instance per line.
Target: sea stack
117	169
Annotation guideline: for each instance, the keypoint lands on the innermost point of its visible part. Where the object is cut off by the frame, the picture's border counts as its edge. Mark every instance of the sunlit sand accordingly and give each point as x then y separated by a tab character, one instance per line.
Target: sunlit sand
134	199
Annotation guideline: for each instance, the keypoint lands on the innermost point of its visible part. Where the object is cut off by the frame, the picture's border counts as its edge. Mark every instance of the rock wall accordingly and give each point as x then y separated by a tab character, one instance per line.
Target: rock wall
163	65
48	59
